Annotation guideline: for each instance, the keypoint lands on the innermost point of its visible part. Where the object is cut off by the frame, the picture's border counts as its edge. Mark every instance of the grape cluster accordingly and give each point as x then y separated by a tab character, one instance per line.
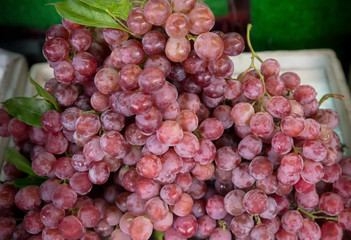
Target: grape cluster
155	134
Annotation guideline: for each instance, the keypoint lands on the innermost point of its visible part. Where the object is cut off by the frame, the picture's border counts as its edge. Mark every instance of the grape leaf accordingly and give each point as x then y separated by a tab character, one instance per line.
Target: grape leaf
118	8
79	12
28	110
12	156
28	181
43	93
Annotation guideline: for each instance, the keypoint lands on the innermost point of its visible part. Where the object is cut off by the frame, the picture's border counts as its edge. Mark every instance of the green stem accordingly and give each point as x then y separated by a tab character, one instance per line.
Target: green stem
296	148
91	111
191	37
248	39
317	217
68	155
222	224
196	132
73	211
258	220
138	90
102	132
331	95
317	212
252	65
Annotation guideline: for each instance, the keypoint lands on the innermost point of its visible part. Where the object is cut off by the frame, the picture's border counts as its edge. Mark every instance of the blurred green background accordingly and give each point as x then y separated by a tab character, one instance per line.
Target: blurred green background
277	25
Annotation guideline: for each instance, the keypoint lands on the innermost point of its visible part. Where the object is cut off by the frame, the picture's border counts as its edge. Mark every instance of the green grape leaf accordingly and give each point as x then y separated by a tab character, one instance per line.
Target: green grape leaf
28	110
118	8
43	93
79	12
12	156
28	181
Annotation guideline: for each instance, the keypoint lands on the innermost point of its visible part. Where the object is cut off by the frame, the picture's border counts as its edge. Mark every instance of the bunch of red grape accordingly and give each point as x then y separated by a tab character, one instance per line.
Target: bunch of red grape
154	135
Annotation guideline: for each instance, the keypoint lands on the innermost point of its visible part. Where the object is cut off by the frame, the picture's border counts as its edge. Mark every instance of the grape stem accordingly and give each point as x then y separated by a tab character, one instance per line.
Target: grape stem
191	37
296	148
258	220
196	132
102	132
222	224
73	211
64	181
90	111
330	95
311	215
252	65
254	55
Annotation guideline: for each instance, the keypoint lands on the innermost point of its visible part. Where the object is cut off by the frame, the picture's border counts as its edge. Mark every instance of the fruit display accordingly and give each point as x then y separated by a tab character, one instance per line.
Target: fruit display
144	133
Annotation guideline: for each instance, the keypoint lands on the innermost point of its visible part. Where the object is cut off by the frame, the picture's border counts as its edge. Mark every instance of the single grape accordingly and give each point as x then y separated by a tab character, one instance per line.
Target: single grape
304	94
106	80
64	197
85	64
291	80
312	172
331	230
56	49
149	166
253	88
282	234
28	198
140	228
137	22
261	231
241	225
250	146
182	5
80	39
241	176
177	49
262	124
208	46
115	37
314	150
278	106
51	216
309	230
201	18
270	67
260	168
307	200
71	227
242	113
233	44
57	31
186	226
255	202
331	203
